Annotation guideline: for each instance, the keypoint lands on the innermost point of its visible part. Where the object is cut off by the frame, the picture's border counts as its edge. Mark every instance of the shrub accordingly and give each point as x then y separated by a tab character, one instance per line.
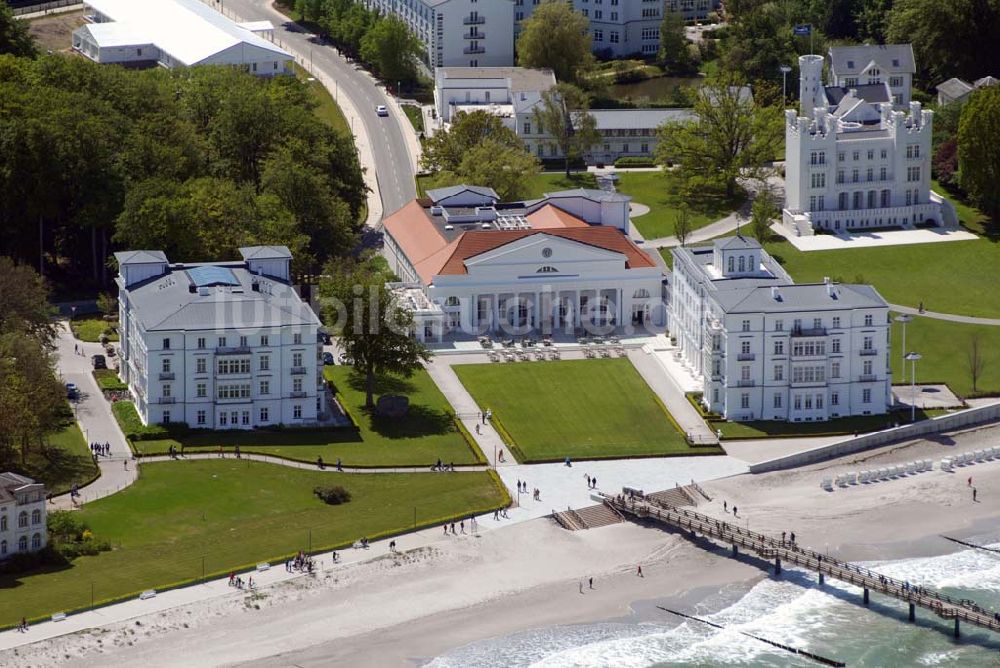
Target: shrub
635	161
333	495
135	430
70	537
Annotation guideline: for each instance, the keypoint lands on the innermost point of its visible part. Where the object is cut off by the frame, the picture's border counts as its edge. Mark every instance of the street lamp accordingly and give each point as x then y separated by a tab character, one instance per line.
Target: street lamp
904	318
785	69
912	358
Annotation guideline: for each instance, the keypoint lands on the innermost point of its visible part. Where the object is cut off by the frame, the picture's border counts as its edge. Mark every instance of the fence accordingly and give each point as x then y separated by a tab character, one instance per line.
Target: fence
45	6
954	421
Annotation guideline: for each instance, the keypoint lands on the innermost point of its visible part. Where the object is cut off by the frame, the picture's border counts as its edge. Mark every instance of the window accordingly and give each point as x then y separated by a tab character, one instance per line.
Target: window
201	365
834	369
817	323
297	412
265	362
835	346
22	544
166	365
745	347
22	520
868	343
871	154
245	417
200	417
222	342
527	127
297	338
819	401
36	516
842	201
201	341
263	414
745	372
895	82
798	402
745	400
870	174
854	175
869	320
223	419
913	174
264	340
777	400
732	263
779	325
779	347
779	372
3	547
866	396
165	390
867	368
166	417
746	325
835	399
201	390
296	359
836	322
3	522
818	180
166	344
297	385
265	387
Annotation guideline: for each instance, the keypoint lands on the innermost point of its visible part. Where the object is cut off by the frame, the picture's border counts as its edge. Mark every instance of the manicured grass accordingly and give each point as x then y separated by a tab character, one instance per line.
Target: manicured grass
841	426
107	379
63	459
234	514
327	109
89	328
416	117
947	277
657	190
969	216
579	409
426	434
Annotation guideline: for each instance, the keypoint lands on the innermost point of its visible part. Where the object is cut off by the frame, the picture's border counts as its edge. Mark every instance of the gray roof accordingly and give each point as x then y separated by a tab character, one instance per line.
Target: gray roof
521	78
954	88
266	253
738	242
10	482
800	297
847	60
591	194
986	81
870	93
140	257
438	194
638	119
166	302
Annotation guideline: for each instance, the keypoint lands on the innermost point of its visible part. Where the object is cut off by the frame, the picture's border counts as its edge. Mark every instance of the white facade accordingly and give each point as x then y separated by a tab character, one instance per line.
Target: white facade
867	64
225	345
854	161
456	33
769	349
175	33
22	515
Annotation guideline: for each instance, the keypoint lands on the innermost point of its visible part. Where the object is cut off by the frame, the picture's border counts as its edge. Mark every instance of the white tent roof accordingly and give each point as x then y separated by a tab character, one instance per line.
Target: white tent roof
116	34
188	30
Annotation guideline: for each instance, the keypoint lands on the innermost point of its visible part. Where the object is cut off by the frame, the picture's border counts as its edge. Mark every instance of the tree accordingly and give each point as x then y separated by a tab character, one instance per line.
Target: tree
758	42
506	169
762	212
446	150
392	50
557	38
675	51
872	20
107	304
24	305
369	324
682	224
728	137
977	360
979	150
15	38
562	115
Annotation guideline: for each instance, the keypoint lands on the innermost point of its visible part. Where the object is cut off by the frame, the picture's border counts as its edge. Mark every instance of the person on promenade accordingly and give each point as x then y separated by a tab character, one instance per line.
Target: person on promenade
237	452
591	582
593	482
973	493
638	570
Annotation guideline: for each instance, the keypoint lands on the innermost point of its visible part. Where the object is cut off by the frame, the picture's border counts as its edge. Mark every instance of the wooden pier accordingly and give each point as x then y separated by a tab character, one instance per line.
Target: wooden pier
787	552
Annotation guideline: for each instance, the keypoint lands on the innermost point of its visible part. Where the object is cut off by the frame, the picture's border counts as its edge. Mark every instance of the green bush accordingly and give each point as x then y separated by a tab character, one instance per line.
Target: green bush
107	379
333	495
70	537
635	161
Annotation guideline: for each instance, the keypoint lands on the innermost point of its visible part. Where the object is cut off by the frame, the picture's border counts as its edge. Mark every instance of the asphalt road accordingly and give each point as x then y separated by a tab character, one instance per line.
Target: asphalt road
392	161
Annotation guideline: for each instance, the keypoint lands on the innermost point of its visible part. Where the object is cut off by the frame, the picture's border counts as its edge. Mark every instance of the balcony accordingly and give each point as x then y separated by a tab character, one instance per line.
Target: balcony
745	383
474	20
746	357
166	400
867	378
868	351
473	50
232	350
298	394
166	375
477	34
299	370
809	331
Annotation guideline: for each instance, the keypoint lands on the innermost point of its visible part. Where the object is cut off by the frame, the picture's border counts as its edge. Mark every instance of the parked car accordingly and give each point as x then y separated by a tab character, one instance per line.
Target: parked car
328	358
72	391
380	110
99	362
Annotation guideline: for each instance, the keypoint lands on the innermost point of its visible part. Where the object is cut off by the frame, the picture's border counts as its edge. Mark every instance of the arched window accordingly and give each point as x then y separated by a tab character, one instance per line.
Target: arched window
3	547
22	519
451	301
3	522
22	544
641	293
36	542
743	265
36	516
732	263
547	270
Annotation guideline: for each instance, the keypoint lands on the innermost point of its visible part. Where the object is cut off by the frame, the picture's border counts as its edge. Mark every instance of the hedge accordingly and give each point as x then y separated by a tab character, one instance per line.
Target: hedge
135	430
634	161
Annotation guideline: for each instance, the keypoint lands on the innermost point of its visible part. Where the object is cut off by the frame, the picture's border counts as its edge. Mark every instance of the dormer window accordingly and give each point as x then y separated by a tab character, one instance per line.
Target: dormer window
850	64
547	270
451	301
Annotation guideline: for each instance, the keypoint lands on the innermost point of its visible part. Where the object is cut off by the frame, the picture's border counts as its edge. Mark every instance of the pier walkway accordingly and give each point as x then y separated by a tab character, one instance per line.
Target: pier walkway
789	552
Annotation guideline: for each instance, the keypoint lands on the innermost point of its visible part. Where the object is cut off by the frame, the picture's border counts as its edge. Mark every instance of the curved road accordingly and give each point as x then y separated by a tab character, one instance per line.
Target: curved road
386	137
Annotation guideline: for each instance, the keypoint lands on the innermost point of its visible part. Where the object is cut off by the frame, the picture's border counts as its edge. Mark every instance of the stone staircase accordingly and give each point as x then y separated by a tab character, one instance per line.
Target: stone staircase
591	517
677	497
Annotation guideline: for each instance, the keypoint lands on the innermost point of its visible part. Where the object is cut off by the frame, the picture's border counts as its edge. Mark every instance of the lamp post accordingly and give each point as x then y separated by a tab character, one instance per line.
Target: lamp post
785	69
912	358
904	318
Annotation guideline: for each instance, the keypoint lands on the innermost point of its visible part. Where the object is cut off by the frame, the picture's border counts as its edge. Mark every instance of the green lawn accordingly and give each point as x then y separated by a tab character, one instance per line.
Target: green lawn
107	379
416	117
579	408
64	460
970	217
327	109
427	434
235	514
654	189
847	425
89	328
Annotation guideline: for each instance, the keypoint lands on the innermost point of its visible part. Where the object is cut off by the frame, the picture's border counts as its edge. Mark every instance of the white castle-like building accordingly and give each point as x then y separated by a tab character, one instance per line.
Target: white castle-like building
857	153
766	348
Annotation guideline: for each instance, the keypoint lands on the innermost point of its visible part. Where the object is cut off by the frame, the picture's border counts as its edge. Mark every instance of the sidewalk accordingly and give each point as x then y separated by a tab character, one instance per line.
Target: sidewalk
93	413
671	394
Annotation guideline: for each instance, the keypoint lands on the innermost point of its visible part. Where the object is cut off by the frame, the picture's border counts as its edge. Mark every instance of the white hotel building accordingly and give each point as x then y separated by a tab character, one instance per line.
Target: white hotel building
853	159
766	348
22	515
221	345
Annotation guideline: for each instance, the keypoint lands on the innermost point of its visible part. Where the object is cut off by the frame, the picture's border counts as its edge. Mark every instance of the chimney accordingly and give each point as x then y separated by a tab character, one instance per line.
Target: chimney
775	294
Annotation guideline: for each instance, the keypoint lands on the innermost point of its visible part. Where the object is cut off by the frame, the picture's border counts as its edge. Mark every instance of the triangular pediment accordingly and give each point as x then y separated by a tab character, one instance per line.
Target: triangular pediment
543	250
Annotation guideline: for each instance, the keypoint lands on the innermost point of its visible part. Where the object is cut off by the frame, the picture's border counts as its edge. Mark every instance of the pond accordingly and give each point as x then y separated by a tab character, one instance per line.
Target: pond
658	89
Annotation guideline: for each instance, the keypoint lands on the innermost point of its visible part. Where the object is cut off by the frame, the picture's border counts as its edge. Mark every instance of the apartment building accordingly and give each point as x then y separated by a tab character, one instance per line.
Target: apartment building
22	515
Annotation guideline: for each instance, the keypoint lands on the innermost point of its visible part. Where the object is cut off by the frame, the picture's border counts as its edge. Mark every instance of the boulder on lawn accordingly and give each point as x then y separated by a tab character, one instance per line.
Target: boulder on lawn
392	406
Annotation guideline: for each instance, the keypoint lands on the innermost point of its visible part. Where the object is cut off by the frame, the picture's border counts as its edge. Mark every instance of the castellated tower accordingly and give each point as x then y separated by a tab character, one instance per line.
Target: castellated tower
811	93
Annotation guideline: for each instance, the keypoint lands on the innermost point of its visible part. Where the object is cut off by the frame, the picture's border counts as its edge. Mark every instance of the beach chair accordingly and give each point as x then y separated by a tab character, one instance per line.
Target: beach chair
883	474
980	455
555	355
911	467
827	484
864	477
852	478
946	464
929	464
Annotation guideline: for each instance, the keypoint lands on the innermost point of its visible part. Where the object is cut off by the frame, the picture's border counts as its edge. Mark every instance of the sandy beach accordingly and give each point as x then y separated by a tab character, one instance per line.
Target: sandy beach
402	610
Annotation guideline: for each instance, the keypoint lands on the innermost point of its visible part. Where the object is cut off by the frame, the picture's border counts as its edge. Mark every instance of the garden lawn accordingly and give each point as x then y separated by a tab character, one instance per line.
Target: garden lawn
234	514
415	115
426	434
848	425
107	379
970	217
656	190
579	409
64	461
89	328
326	109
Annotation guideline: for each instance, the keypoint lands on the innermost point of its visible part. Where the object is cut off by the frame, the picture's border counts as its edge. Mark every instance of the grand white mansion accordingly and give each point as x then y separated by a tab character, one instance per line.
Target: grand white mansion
854	159
227	345
471	264
769	349
22	515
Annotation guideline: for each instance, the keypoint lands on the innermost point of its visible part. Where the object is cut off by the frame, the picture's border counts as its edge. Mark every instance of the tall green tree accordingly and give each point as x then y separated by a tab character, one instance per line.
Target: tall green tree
507	169
557	38
14	36
759	40
369	324
446	150
563	115
675	54
24	305
728	137
392	50
763	211
979	150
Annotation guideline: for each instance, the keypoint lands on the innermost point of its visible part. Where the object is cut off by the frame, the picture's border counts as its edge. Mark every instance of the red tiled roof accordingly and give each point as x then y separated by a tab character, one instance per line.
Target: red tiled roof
551	217
414	233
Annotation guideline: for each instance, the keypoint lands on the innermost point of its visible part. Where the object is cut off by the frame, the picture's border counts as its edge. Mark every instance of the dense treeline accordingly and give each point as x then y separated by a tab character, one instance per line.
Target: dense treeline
196	162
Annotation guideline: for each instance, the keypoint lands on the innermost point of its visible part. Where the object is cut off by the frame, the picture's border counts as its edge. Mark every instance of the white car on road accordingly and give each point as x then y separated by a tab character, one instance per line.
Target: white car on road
380	110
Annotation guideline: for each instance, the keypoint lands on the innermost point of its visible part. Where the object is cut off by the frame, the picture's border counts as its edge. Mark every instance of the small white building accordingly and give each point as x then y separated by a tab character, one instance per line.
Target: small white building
470	264
176	33
22	515
220	345
766	348
854	161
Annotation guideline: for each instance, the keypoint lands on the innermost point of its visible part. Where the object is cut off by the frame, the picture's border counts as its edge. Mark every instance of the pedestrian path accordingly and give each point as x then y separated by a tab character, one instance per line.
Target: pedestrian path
672	396
950	317
328	467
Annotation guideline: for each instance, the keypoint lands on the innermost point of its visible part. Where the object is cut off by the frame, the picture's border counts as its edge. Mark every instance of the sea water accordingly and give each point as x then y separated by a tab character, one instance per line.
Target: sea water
793	610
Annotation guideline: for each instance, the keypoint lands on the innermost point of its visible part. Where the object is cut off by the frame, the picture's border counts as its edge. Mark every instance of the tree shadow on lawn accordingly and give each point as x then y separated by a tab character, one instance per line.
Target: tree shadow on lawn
13	573
419	421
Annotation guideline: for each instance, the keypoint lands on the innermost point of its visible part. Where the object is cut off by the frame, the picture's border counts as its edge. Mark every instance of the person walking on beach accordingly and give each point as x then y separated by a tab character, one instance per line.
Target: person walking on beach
970	481
461	525
638	570
725	506
581	586
593	482
591	583
587	476
735	512
973	493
